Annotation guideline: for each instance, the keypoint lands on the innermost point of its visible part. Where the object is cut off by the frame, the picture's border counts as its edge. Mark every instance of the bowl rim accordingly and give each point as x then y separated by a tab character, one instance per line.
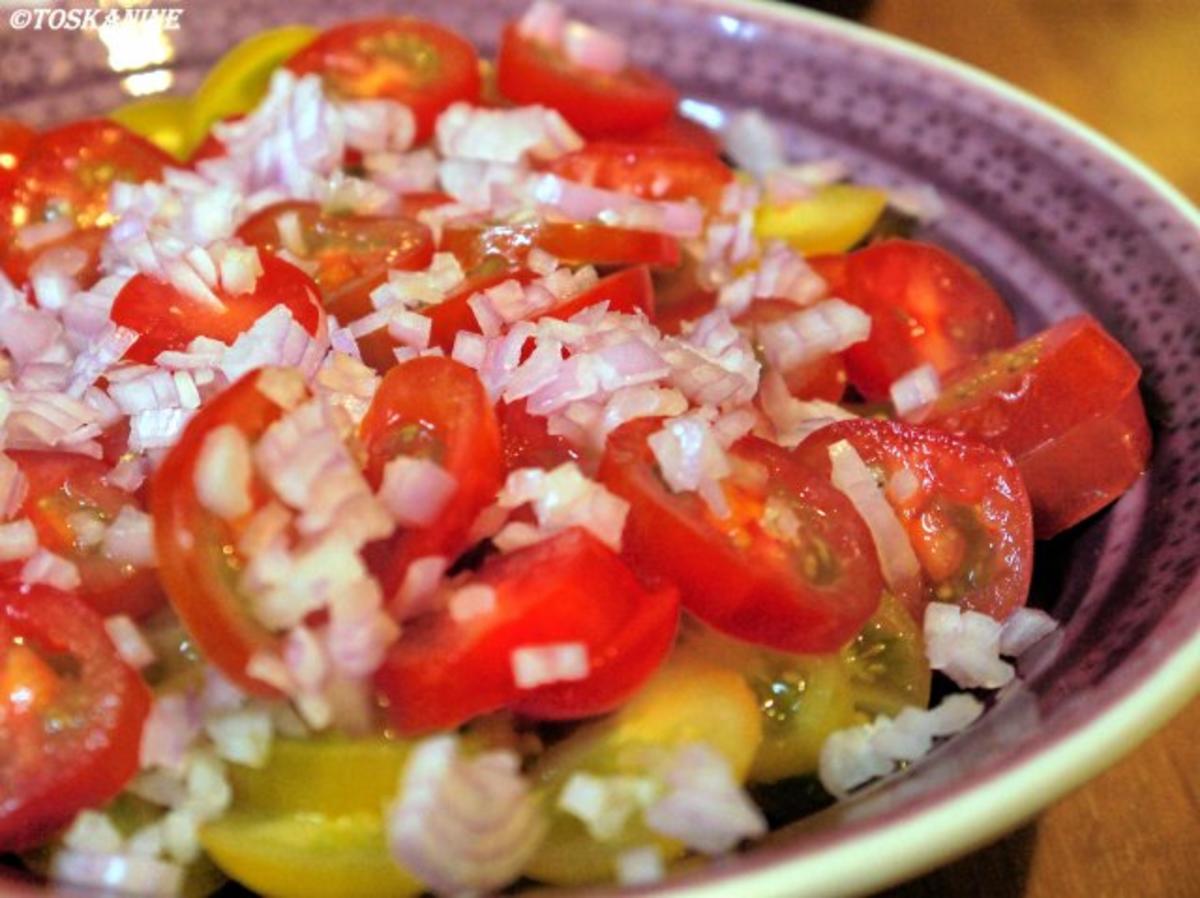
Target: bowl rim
928	836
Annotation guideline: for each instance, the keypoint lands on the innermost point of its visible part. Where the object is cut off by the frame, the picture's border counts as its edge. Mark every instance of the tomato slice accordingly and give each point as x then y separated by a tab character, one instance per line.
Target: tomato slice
63	485
67	173
677	132
527	440
964	507
1065	405
823	378
627	291
569	589
596	104
15	141
570	243
925	306
414	62
453	314
436	409
197	563
166	318
71	714
649	171
808	587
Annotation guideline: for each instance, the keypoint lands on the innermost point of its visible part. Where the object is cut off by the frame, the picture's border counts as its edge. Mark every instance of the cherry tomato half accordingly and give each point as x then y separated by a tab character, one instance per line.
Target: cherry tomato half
436	409
648	171
15	141
925	306
71	714
805	586
677	132
962	503
420	64
527	440
569	589
570	243
1065	405
63	485
67	173
596	104
166	318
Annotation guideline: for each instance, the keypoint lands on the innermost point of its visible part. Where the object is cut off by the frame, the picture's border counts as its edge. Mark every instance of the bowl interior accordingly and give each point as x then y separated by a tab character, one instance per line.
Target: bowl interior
1057	220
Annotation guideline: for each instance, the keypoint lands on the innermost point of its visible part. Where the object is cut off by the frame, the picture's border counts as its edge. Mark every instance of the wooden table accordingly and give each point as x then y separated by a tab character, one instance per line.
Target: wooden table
1131	69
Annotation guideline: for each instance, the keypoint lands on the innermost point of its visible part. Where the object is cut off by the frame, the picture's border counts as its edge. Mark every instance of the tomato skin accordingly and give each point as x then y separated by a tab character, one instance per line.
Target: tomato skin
627	291
925	306
195	568
648	171
1065	404
969	520
166	318
677	132
61	483
735	575
569	588
823	378
436	408
527	441
595	104
453	314
49	773
570	243
15	141
69	170
415	62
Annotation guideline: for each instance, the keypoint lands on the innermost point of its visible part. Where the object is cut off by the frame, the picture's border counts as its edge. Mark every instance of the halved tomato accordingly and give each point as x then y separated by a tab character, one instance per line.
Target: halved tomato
595	103
418	63
570	589
198	561
823	378
66	174
436	409
925	306
646	170
962	503
71	714
15	141
1065	405
166	318
527	440
792	567
62	486
570	243
677	132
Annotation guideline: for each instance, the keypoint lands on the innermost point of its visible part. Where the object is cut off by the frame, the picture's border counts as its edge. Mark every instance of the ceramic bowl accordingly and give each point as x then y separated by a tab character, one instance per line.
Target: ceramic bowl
1059	219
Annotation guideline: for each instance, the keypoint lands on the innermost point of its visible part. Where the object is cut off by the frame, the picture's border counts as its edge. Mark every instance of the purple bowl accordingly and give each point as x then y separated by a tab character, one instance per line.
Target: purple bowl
1059	219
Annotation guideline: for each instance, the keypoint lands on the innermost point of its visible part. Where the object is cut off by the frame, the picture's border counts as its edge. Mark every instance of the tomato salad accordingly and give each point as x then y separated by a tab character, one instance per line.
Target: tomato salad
421	473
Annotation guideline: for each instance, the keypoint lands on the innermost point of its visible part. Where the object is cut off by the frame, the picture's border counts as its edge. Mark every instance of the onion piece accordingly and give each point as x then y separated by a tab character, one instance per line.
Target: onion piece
914	390
129	641
18	540
1023	629
591	48
416	490
224	471
541	665
126	873
965	645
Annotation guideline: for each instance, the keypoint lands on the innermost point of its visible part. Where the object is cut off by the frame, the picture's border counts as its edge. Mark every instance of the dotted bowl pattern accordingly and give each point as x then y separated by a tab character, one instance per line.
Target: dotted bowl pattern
1059	225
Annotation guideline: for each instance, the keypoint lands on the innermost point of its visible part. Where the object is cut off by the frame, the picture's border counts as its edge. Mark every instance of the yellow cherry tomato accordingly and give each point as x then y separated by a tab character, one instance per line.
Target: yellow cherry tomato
832	220
240	78
690	700
886	663
164	121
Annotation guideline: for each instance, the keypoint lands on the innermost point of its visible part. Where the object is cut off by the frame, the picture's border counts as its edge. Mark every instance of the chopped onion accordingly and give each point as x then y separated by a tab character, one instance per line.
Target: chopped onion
18	540
807	335
418	592
754	143
564	498
469	602
544	22
241	736
13	485
129	539
604	804
53	570
594	49
914	390
540	665
690	458
131	645
126	873
640	866
416	490
224	471
1023	629
851	476
965	645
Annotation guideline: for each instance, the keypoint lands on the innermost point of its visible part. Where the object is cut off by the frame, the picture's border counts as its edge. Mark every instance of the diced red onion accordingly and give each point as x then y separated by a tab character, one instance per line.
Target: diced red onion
416	490
808	334
792	420
53	570
1023	629
97	357
472	601
224	471
418	592
503	135
130	644
921	202
18	540
754	143
128	874
13	486
914	390
690	458
87	528
156	428
640	866
965	645
31	236
594	49
129	539
543	22
26	333
564	498
129	474
411	172
541	665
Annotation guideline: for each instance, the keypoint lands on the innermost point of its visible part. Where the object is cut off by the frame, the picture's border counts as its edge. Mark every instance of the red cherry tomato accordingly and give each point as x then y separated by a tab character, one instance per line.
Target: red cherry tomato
15	141
413	204
568	589
453	314
1065	405
965	510
67	172
596	104
436	409
627	291
649	171
925	306
166	318
807	588
527	440
823	378
71	714
420	64
575	244
199	572
63	485
677	132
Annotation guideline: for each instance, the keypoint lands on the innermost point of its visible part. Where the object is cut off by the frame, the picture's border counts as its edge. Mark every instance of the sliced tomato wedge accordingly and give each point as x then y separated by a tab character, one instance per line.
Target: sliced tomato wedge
649	171
596	104
1065	405
15	141
806	586
962	503
926	307
570	590
436	409
823	378
64	489
418	63
574	244
527	440
71	714
198	565
166	318
66	174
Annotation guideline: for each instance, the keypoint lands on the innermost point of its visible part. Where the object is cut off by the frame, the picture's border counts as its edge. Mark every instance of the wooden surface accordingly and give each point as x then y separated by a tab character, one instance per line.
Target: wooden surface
1131	69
